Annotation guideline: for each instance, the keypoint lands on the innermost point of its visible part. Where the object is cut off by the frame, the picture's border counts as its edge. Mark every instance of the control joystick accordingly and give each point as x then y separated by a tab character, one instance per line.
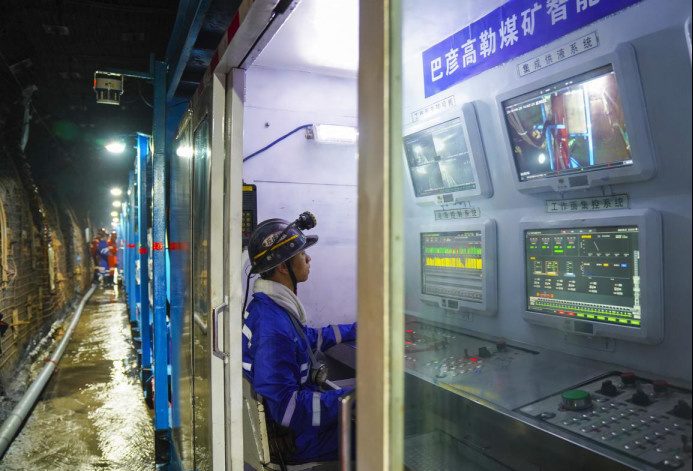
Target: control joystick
484	352
682	410
609	389
640	398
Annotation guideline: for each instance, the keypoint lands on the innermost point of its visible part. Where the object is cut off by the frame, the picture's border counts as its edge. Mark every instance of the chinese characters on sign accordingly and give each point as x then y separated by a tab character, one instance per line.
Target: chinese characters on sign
560	53
595	203
462	213
433	109
515	28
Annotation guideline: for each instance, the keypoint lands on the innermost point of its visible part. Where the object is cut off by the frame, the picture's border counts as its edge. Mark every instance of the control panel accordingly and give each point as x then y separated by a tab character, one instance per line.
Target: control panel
249	220
438	353
648	420
490	369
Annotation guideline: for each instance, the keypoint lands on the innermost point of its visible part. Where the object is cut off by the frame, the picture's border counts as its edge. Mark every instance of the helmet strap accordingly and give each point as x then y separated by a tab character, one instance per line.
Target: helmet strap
292	275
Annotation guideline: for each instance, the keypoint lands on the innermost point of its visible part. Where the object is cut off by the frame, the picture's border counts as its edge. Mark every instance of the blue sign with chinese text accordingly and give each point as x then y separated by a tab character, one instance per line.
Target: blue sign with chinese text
511	30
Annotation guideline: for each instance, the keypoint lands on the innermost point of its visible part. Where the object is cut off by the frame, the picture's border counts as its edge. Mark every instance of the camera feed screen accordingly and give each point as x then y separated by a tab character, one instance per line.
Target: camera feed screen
573	126
438	160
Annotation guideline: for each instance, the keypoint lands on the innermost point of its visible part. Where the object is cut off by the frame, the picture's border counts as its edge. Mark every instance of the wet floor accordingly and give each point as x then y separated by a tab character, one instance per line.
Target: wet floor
92	414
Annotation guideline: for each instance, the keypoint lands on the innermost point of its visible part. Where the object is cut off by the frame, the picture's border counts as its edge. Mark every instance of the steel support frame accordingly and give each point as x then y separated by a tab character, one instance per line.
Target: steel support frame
160	324
142	249
129	255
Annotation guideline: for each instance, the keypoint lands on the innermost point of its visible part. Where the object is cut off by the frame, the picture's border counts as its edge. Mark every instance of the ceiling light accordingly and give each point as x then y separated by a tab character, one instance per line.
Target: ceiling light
116	191
117	204
334	134
114	214
115	147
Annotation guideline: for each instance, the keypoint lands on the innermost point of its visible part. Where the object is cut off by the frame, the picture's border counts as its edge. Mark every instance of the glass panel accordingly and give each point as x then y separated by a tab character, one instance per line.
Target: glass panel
200	297
179	252
534	320
438	163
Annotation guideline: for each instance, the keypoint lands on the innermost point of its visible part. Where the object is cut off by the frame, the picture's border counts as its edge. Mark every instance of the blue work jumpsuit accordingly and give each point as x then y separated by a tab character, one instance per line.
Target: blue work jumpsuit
276	362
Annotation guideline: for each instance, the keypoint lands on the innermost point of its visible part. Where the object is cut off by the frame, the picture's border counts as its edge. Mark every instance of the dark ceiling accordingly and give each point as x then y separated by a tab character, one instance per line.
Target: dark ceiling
56	45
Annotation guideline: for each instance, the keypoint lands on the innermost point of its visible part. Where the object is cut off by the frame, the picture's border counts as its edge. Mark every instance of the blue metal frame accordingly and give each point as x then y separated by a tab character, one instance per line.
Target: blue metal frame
148	316
130	252
161	416
143	320
191	16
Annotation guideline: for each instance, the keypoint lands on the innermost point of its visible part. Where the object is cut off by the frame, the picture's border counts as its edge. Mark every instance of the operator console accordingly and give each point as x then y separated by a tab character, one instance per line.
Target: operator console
438	354
641	418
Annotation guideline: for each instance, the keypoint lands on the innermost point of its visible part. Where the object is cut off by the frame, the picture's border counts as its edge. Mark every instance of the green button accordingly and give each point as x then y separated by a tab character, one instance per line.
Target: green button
576	395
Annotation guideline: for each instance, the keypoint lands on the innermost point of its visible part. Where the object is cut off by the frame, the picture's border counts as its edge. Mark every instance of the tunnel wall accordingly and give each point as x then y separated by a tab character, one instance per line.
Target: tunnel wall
44	261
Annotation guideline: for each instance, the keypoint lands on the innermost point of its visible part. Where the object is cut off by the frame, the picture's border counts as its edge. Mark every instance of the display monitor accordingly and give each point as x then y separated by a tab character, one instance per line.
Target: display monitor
598	276
458	266
585	127
446	160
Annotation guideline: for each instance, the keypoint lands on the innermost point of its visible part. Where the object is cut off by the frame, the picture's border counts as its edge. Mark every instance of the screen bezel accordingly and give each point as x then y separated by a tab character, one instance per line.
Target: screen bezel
625	66
477	156
489	281
649	225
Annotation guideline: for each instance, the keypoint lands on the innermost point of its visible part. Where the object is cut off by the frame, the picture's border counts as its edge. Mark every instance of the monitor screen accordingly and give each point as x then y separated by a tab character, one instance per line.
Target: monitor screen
569	127
452	265
585	273
439	160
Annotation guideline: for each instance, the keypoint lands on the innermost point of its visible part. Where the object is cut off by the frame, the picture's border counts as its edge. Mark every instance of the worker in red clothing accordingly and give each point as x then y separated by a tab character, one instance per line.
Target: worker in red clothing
112	257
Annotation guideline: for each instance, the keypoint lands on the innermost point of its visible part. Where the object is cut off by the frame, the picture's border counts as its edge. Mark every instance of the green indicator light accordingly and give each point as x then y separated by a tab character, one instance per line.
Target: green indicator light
601	318
623	321
580	315
635	322
590	316
558	251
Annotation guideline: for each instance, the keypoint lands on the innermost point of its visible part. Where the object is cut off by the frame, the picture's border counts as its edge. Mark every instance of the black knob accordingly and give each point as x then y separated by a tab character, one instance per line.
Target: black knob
466	353
501	346
682	410
484	353
628	378
609	389
640	398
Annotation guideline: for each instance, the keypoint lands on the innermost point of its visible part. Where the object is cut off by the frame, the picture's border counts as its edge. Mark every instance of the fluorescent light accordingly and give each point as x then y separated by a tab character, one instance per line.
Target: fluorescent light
115	220
184	151
334	134
115	147
117	204
114	214
116	191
